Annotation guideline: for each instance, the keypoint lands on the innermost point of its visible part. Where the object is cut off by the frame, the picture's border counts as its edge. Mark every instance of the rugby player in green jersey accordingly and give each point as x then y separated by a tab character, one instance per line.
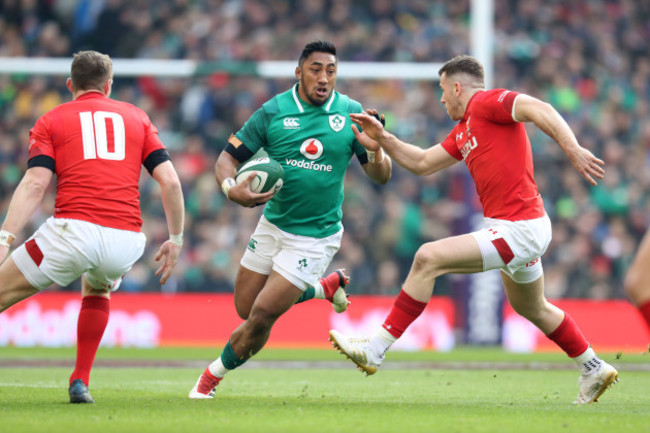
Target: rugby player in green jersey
307	129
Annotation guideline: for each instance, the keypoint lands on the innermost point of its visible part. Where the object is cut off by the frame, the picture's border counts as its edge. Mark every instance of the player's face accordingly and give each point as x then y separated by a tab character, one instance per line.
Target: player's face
450	98
317	77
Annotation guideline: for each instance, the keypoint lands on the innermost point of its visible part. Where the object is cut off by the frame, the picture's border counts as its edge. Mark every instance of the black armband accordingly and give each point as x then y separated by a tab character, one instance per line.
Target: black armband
41	161
363	158
154	158
241	153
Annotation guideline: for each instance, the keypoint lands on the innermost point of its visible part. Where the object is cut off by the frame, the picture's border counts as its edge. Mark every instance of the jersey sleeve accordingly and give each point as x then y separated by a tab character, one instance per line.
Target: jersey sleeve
152	141
449	144
40	142
498	106
253	134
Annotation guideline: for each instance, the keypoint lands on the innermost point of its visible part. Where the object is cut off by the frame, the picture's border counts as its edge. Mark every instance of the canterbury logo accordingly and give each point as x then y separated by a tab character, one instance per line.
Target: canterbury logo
291	123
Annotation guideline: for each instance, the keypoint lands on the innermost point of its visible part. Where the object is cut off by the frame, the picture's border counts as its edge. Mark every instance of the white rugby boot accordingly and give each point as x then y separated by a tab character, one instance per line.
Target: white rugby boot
594	384
360	350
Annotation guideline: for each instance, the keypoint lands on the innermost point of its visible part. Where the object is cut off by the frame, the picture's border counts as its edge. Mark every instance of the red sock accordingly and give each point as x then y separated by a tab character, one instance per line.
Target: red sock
91	324
645	312
405	310
569	337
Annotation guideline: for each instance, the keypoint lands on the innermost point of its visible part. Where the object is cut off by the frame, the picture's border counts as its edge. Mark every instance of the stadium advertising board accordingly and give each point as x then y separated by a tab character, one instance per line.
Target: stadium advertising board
152	320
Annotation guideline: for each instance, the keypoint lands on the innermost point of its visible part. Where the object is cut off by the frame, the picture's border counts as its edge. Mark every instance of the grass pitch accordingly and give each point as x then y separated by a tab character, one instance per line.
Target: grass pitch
466	390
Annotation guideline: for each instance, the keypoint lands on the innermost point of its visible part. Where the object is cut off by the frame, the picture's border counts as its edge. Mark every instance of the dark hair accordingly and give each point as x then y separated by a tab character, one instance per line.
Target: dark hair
316	47
463	64
90	70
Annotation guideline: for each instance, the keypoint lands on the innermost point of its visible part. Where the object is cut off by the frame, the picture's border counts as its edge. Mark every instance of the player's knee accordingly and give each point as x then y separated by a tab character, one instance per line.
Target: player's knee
261	319
427	260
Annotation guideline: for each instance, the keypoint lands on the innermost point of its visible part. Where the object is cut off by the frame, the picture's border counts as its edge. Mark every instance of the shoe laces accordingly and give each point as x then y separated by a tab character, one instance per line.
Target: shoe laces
361	340
207	383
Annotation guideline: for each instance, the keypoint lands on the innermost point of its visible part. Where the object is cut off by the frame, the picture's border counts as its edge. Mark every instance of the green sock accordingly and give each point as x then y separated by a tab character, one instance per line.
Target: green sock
307	295
229	359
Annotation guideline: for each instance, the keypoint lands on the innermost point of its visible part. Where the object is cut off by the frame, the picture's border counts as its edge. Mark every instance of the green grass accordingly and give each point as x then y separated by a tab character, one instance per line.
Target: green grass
267	398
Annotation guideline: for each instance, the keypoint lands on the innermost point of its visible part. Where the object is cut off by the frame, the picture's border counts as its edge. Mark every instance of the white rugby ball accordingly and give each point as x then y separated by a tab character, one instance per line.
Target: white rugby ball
269	174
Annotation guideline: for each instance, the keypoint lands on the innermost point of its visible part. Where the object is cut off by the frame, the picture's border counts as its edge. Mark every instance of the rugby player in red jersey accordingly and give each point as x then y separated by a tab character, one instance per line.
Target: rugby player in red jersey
96	147
491	138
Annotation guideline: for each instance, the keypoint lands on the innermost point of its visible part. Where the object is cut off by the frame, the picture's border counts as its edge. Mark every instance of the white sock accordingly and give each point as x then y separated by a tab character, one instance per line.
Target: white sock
217	368
319	291
384	338
588	362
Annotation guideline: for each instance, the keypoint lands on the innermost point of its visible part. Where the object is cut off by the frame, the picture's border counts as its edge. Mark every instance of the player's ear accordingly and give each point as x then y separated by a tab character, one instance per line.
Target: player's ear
458	88
68	84
298	72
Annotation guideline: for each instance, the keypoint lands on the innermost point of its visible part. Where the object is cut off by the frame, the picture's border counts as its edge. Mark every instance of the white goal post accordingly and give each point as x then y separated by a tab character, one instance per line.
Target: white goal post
481	40
189	68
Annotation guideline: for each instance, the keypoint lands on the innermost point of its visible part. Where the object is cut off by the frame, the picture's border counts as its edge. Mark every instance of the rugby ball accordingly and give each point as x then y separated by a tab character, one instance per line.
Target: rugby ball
269	175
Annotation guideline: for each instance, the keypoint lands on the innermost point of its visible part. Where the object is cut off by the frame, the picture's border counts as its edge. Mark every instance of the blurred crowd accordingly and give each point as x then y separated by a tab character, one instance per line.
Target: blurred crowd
590	59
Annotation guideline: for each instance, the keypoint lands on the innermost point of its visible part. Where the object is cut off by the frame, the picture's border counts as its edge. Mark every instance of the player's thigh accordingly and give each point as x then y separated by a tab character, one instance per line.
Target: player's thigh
278	295
248	285
457	254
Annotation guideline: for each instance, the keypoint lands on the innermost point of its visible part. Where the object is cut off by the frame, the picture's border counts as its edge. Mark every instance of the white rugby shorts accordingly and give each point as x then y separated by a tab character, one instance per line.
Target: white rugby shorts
302	260
515	247
63	249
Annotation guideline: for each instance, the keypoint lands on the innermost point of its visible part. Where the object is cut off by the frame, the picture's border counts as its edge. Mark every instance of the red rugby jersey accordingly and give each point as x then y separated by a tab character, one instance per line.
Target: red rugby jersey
497	153
98	145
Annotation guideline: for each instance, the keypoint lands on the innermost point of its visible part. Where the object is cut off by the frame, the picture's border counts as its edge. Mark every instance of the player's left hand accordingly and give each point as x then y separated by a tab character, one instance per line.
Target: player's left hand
590	167
169	253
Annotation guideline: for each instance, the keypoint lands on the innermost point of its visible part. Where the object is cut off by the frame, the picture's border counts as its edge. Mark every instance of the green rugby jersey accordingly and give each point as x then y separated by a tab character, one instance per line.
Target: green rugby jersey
315	146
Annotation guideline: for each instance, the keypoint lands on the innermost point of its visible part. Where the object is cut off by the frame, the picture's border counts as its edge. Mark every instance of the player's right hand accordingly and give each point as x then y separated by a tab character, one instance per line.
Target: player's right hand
372	125
242	194
588	165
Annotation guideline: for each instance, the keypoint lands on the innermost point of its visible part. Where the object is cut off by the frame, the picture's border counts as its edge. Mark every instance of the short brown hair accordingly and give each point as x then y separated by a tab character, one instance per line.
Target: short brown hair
90	70
463	64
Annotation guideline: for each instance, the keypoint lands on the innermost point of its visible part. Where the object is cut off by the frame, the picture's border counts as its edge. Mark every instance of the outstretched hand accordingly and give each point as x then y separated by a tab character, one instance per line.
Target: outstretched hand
588	165
168	253
242	194
373	128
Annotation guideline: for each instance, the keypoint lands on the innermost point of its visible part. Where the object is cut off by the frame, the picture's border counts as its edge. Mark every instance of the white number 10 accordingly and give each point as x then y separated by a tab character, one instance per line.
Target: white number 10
95	138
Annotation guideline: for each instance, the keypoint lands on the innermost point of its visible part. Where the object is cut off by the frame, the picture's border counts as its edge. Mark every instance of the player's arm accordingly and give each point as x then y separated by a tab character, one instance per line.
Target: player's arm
174	207
545	117
225	172
26	198
413	158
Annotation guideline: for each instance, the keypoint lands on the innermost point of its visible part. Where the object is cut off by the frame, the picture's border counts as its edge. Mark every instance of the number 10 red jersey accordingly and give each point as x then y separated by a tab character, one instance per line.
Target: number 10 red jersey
98	146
